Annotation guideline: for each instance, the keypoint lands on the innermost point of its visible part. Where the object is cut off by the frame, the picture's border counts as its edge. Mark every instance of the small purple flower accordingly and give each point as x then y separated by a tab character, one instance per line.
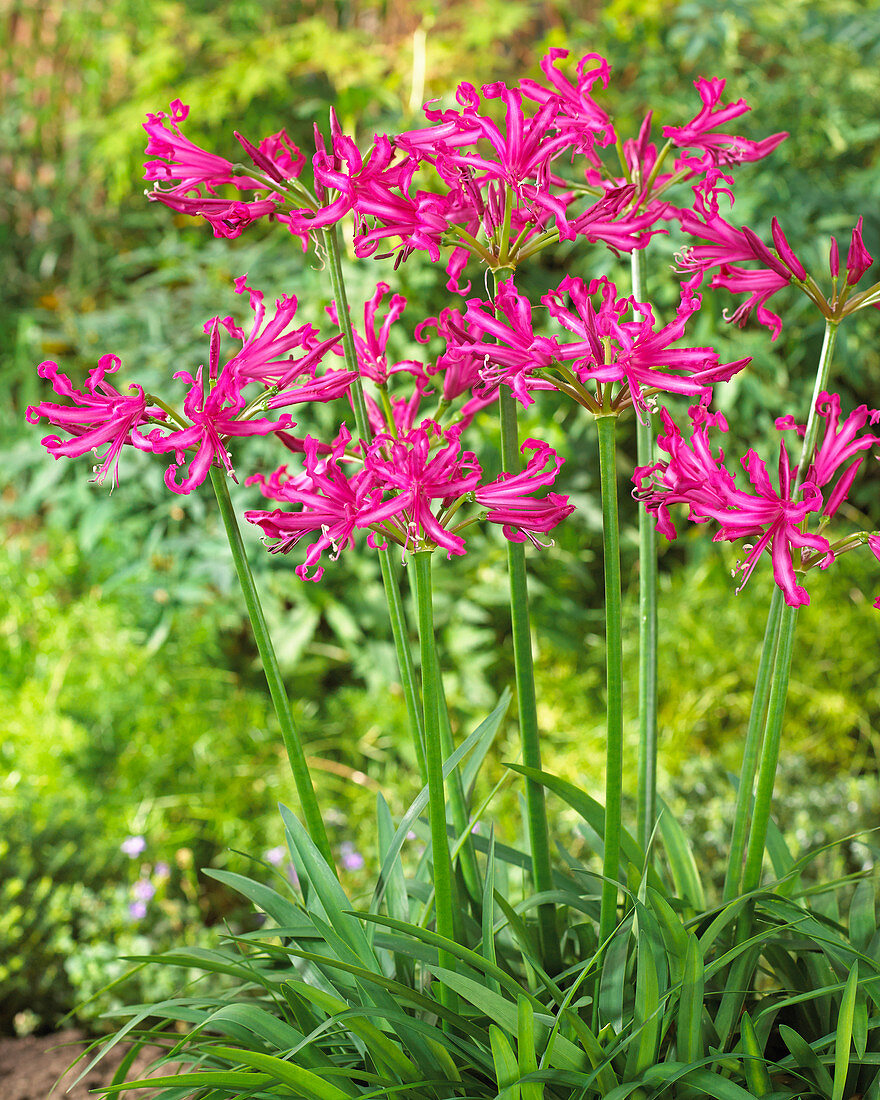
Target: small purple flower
133	846
143	889
137	910
276	855
350	857
161	871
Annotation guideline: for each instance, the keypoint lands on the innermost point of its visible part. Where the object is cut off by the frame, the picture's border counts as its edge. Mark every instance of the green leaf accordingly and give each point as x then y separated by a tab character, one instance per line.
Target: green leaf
383	1050
487	931
280	909
806	1058
484	735
506	1068
613	980
754	1063
485	732
843	1036
495	1007
230	1079
688	1043
302	1081
862	918
334	902
591	811
527	1056
685	876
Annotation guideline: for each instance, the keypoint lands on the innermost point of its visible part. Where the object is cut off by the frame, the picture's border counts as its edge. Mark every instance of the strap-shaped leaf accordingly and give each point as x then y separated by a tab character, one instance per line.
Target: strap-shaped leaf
843	1036
688	1042
754	1064
526	1054
483	734
806	1058
506	1068
302	1081
382	1049
685	876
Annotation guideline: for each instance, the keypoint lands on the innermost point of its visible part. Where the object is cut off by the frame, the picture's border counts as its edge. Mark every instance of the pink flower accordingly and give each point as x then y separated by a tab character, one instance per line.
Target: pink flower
424	466
265	350
774	518
329	501
99	415
182	161
371	347
701	131
510	498
227	217
504	338
633	352
578	116
839	444
213	417
193	175
858	259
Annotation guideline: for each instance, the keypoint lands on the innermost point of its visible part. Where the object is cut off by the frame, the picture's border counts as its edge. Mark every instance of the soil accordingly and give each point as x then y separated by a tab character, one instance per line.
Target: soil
31	1067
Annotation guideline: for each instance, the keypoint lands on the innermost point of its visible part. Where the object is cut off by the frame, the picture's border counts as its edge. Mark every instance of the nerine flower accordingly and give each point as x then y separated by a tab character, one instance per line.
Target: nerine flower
510	499
774	517
423	469
99	415
213	416
634	354
372	344
702	131
187	178
329	501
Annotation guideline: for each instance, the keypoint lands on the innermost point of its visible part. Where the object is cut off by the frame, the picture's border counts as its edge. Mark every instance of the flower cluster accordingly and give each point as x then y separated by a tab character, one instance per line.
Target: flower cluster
774	516
507	188
214	407
407	489
726	248
503	174
619	359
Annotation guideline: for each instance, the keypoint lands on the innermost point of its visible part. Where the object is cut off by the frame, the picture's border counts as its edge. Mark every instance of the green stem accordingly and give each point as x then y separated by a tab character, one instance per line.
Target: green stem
396	614
778	639
647	762
536	808
770	751
292	742
605	426
821	383
458	803
443	896
744	793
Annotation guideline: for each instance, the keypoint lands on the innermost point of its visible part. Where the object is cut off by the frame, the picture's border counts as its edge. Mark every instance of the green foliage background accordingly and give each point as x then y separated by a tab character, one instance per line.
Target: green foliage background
129	687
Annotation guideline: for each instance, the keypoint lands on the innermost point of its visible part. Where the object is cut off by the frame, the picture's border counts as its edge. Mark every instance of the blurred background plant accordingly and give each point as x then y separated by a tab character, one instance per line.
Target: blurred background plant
131	698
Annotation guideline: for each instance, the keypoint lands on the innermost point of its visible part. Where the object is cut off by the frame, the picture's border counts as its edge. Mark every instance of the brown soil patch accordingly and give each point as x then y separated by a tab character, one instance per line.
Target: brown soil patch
32	1066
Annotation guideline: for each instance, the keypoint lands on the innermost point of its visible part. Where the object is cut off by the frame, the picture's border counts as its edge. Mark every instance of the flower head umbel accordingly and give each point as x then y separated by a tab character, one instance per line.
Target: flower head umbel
774	516
618	345
98	415
702	132
728	247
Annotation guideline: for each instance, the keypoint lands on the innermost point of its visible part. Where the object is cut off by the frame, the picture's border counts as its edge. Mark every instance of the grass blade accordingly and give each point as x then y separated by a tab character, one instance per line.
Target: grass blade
689	1046
843	1038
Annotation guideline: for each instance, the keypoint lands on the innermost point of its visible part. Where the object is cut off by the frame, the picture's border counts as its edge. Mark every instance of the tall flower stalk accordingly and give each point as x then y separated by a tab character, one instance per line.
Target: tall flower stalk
396	612
431	701
646	804
292	742
783	646
536	807
606	430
